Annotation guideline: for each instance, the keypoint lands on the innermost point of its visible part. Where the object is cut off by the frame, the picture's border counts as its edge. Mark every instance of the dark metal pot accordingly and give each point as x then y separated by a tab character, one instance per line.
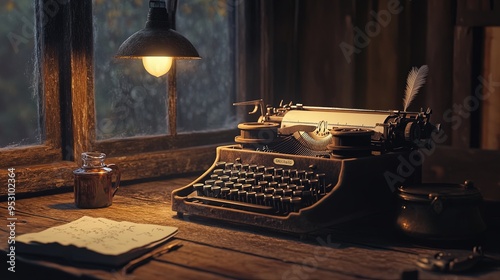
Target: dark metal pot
440	211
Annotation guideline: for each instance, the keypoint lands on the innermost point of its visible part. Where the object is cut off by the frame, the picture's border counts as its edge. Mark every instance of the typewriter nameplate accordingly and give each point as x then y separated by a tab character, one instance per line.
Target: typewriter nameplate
283	161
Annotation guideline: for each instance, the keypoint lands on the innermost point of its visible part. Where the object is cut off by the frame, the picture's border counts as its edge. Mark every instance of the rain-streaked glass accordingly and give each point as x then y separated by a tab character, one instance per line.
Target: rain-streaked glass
206	87
19	88
131	102
128	101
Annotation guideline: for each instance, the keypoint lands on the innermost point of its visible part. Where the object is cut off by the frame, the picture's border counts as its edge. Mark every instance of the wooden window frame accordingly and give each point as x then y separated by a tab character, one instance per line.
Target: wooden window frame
69	114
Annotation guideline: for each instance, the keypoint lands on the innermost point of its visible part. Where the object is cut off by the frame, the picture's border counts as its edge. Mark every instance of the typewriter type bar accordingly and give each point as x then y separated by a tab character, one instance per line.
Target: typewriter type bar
291	193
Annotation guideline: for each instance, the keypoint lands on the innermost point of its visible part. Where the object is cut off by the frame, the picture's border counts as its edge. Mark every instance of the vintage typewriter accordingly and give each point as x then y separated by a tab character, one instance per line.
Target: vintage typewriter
301	168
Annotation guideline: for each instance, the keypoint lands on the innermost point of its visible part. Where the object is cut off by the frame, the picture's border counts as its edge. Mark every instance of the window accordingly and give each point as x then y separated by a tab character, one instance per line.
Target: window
131	102
19	118
206	88
191	107
30	113
89	101
128	100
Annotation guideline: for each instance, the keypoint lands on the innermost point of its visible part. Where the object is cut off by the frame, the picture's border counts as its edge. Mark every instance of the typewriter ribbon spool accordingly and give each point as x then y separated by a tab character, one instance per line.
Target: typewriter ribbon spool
257	132
350	142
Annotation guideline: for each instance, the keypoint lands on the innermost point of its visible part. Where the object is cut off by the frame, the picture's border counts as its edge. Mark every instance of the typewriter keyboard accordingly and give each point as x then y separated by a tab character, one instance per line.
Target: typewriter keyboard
260	189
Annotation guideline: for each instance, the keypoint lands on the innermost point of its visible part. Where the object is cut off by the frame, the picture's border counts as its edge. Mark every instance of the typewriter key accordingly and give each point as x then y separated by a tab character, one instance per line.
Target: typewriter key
257	189
199	188
296	203
314	183
229	165
238	186
218	171
237	166
269	170
233	179
277	178
251	182
277	202
224	178
268	199
207	190
247	187
225	192
210	182
278	191
278	171
306	184
282	185
241	181
242	196
219	183
216	191
233	194
285	179
229	184
263	184
259	176
268	177
269	190
286	203
259	197
295	180
251	196
220	164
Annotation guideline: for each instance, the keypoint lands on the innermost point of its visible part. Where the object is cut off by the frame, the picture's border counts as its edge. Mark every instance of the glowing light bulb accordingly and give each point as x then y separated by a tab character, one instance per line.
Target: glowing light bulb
157	65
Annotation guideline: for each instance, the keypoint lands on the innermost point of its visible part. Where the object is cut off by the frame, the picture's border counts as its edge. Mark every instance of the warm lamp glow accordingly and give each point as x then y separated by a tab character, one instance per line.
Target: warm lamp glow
157	65
158	43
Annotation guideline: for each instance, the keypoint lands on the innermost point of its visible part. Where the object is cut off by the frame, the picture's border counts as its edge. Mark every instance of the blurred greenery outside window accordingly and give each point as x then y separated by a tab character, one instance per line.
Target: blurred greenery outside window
130	102
19	93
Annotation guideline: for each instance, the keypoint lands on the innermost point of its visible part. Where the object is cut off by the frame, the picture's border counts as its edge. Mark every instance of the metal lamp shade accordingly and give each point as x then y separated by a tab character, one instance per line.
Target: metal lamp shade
157	38
157	42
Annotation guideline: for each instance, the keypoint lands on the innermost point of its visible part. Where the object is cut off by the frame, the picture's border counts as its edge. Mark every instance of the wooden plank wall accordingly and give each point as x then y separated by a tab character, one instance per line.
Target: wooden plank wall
490	114
347	53
358	54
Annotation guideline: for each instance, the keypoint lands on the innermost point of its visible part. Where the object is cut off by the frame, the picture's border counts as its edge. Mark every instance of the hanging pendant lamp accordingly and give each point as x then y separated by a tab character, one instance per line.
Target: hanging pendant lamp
158	43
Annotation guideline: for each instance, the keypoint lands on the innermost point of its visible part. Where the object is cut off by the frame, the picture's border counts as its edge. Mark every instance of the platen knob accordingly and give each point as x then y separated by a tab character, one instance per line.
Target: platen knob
412	131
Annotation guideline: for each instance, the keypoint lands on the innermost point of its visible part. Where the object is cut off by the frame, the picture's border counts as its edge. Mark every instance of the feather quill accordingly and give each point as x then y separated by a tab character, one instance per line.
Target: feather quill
416	78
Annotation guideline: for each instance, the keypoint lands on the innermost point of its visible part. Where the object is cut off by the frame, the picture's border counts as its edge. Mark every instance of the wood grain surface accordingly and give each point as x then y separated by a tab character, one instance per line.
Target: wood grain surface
218	250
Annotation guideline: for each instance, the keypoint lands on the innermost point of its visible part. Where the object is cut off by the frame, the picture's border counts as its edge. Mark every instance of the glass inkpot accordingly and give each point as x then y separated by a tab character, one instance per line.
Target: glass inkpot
94	187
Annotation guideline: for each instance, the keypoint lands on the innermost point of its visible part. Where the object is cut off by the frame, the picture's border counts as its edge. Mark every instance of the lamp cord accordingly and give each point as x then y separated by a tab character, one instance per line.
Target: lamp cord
172	9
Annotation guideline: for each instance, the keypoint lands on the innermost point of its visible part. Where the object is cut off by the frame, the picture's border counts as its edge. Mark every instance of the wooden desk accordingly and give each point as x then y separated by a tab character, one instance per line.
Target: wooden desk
217	250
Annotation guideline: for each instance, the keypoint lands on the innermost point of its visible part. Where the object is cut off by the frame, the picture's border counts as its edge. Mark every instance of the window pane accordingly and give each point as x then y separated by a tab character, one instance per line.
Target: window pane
129	101
206	87
19	116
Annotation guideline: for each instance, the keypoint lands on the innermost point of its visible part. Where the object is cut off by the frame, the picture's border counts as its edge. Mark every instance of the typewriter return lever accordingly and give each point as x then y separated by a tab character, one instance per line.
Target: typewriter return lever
256	103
